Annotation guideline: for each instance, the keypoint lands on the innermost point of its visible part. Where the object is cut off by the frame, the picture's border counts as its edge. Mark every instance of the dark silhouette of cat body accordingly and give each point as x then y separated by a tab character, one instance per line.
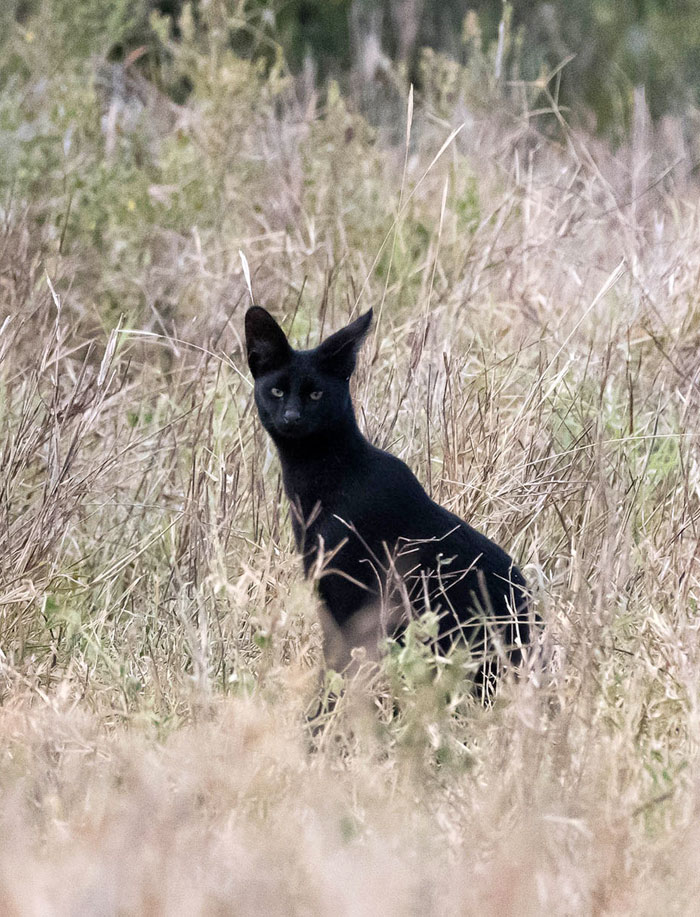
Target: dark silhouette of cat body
382	549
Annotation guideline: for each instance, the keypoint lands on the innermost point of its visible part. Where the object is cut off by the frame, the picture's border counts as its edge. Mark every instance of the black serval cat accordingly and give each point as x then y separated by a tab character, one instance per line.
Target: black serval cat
382	550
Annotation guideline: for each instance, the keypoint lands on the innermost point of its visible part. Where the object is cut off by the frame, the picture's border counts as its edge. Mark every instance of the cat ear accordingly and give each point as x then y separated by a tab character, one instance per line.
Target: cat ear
267	347
338	353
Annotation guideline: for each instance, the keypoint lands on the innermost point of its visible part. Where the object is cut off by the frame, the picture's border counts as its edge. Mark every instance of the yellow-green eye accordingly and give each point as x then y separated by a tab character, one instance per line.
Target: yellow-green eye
277	392
314	396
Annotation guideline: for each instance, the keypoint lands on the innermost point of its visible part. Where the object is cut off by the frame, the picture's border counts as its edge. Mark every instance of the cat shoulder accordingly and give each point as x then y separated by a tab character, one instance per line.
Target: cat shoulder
391	470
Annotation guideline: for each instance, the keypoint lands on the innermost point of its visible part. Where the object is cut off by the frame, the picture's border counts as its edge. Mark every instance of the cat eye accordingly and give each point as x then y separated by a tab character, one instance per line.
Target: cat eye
277	392
314	396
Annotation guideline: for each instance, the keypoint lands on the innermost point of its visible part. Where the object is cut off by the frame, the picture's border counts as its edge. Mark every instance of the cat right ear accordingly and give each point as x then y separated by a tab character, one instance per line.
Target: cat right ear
266	345
338	353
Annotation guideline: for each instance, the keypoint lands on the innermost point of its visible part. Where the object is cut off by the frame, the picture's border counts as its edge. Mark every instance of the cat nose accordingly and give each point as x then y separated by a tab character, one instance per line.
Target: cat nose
291	415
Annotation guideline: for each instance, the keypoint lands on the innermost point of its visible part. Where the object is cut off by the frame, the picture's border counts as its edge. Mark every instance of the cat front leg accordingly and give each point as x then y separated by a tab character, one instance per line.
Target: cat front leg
352	650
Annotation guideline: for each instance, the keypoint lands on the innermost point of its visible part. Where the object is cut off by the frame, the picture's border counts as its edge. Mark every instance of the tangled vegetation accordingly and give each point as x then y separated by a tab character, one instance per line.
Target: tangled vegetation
534	361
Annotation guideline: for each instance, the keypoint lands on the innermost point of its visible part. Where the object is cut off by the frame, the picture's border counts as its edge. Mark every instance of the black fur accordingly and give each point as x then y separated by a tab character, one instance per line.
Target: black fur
384	550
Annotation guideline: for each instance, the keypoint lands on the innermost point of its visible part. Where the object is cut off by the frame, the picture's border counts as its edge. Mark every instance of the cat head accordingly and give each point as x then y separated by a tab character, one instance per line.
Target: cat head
300	393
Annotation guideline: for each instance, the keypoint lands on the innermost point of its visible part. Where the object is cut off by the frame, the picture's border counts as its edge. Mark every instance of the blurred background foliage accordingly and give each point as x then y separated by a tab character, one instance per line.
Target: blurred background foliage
138	134
601	50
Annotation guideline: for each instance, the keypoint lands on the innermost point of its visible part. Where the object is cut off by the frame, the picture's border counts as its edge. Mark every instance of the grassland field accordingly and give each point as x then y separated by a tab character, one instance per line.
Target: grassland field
534	361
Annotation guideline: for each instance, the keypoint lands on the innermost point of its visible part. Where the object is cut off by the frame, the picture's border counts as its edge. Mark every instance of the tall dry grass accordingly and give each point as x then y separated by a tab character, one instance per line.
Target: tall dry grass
535	363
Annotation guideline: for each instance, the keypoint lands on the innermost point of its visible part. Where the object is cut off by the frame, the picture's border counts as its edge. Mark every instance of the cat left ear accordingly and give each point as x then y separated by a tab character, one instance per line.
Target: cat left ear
266	344
338	353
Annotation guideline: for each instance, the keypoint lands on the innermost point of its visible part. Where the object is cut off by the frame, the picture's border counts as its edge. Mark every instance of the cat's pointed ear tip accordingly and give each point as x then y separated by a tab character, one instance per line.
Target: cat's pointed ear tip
254	312
258	319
